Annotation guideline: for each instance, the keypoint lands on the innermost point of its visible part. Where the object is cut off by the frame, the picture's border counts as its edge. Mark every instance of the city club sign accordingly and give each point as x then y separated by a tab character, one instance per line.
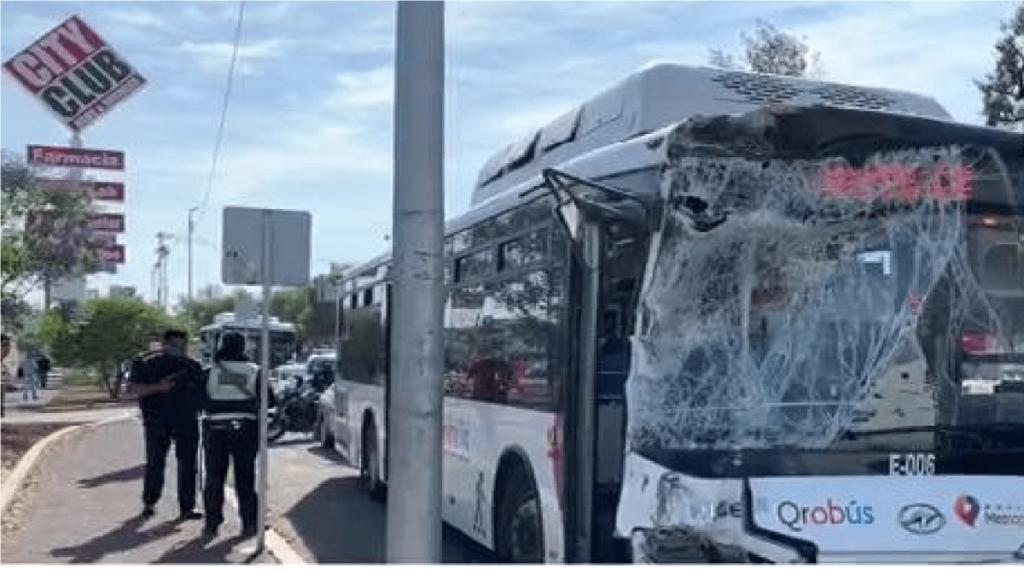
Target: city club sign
75	73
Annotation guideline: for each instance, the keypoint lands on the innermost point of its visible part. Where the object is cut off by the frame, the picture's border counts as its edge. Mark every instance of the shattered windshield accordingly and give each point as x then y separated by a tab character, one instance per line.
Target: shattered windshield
792	303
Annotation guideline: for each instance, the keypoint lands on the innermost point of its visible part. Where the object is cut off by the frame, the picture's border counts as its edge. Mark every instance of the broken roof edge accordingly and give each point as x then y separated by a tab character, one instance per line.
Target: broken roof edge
662	94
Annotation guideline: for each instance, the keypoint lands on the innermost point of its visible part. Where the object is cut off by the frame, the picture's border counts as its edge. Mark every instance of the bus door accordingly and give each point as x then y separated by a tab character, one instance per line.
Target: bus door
607	264
621	261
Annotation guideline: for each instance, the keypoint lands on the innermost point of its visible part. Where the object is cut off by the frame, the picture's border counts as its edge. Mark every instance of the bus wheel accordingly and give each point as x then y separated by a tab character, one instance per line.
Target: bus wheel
520	535
369	468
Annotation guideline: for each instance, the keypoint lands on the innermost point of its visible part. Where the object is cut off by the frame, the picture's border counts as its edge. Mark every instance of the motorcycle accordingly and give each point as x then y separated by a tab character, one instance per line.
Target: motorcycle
295	411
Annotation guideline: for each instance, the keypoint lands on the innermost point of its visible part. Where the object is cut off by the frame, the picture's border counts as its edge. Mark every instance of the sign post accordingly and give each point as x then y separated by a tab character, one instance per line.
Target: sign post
267	248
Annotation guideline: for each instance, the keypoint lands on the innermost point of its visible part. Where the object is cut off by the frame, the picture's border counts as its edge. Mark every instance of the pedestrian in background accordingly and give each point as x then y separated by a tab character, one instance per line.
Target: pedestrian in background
169	386
231	408
30	379
43	367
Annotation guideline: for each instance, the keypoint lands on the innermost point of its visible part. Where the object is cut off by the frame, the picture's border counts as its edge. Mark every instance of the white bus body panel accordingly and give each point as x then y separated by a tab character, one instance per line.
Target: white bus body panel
474	438
362	400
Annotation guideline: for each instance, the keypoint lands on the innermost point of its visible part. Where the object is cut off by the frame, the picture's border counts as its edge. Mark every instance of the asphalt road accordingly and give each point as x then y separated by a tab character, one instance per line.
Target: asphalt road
317	506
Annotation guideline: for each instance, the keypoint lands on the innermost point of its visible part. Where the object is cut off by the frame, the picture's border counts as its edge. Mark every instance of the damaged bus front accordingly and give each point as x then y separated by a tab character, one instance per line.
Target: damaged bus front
827	355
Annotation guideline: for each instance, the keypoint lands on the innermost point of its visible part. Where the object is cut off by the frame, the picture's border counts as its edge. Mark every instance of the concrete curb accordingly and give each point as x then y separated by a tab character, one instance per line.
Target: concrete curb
272	540
17	477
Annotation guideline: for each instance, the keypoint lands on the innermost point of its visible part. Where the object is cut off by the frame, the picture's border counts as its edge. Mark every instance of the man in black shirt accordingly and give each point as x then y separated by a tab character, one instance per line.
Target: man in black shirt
169	386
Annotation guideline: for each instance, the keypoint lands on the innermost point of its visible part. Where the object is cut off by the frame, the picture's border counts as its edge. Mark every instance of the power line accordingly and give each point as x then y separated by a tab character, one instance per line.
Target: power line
224	110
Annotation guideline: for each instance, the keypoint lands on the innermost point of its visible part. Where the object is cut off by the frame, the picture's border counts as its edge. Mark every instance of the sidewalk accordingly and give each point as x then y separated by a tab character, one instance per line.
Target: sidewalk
17	410
82	504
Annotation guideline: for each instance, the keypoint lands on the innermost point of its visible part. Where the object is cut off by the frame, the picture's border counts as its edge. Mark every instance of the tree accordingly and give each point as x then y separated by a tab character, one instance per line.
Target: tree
299	306
771	51
44	234
1002	92
112	331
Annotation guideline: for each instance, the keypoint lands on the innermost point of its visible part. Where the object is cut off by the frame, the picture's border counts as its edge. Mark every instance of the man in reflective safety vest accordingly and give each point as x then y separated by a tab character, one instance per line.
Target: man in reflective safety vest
231	432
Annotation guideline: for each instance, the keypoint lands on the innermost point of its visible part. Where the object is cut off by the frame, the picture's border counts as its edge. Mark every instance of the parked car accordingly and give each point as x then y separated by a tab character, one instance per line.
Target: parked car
326	415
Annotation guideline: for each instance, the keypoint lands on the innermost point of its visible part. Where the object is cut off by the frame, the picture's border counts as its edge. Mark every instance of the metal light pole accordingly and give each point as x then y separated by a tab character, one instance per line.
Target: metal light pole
261	514
414	418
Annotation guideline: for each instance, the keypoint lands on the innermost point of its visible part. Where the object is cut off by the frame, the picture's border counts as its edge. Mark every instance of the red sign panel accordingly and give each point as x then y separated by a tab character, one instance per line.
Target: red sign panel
45	156
105	222
108	252
109	191
113	254
73	71
101	239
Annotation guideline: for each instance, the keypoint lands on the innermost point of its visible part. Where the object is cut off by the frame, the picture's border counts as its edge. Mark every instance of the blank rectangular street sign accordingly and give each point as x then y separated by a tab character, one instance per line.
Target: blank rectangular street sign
242	245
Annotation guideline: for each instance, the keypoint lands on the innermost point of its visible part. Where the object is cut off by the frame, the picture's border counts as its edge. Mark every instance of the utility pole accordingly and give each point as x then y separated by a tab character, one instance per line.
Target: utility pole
191	228
414	418
161	265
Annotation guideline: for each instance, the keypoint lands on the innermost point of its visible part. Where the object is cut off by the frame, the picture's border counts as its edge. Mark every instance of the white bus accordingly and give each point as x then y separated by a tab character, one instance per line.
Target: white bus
718	316
282	338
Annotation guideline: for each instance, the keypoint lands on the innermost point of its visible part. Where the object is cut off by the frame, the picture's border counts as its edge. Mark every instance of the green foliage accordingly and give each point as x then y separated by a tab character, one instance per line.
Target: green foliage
771	50
53	331
29	257
1002	92
112	330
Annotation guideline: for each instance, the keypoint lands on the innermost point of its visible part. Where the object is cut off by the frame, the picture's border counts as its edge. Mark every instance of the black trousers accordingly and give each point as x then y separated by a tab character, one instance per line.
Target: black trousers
237	443
159	435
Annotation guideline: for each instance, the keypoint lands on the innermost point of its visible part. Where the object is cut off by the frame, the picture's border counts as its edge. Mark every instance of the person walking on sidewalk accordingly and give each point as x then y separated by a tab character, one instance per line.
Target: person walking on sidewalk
231	407
169	386
43	367
30	379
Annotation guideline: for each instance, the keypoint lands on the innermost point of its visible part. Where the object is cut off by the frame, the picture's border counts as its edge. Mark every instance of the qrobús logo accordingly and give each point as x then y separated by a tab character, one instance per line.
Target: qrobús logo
797	517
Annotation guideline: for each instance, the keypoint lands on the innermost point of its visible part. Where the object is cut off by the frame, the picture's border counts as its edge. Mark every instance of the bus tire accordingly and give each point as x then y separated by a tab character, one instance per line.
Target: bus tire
519	532
369	467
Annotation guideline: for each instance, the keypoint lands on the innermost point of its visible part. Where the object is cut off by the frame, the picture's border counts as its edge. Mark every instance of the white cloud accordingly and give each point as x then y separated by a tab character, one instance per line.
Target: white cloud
912	49
373	88
210	12
136	18
20	30
215	57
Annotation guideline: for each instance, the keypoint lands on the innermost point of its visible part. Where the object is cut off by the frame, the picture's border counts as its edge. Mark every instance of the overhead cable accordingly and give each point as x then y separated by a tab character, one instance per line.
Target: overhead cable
224	110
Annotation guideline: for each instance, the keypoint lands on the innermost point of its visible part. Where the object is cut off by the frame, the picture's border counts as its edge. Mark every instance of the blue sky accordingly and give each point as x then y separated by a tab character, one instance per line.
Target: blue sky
310	119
